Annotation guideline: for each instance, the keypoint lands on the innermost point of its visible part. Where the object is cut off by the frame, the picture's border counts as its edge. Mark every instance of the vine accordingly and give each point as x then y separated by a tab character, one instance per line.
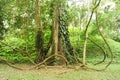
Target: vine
64	33
85	42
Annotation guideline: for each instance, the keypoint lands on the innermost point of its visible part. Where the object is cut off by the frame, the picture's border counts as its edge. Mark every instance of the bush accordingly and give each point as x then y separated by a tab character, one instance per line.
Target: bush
7	49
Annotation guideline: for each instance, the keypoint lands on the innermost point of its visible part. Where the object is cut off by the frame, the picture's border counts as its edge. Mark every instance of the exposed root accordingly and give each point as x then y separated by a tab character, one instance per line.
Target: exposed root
9	64
37	65
54	55
88	68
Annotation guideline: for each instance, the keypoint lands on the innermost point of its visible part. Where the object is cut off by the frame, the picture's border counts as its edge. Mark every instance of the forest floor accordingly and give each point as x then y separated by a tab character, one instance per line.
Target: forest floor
59	73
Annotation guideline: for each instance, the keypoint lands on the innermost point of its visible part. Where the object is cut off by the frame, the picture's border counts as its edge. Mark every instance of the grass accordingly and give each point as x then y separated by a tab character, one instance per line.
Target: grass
59	73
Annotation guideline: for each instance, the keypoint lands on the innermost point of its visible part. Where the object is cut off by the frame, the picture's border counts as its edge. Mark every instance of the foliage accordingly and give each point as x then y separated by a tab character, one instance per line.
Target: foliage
2	29
115	48
9	51
20	17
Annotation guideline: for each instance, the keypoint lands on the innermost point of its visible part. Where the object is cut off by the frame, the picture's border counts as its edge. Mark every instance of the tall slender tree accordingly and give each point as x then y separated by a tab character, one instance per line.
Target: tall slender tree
39	36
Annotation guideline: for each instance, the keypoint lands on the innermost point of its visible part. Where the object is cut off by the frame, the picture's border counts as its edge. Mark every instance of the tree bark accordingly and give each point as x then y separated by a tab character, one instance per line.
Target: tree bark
55	32
39	36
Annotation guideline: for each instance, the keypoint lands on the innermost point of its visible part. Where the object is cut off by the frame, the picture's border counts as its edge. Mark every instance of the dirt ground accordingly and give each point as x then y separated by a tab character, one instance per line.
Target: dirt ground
58	73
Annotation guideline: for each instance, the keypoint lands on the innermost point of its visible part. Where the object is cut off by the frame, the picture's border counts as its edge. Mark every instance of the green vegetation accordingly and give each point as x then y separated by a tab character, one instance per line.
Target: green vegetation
59	73
44	33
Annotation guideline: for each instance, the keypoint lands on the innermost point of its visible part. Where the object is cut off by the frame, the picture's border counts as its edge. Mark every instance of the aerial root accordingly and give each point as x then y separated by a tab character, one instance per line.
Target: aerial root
37	65
112	56
104	52
86	37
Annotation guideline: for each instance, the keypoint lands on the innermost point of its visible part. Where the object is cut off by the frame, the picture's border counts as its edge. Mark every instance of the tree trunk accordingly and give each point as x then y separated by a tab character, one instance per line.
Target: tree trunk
84	50
55	32
60	50
39	37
